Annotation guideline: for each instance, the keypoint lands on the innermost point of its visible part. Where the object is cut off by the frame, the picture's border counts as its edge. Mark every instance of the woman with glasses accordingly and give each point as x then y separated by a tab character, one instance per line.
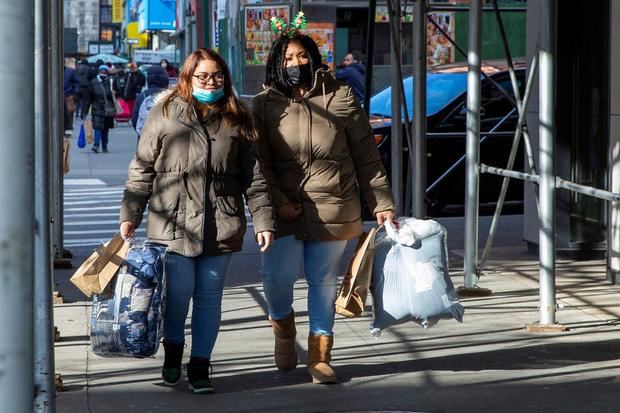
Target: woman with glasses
194	163
319	153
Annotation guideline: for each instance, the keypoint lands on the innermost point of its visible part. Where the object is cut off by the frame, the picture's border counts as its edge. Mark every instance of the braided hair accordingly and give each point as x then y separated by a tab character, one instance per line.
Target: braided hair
276	71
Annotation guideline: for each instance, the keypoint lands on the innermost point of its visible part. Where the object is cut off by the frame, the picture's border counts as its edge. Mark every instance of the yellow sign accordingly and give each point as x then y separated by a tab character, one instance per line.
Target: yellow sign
134	37
117	11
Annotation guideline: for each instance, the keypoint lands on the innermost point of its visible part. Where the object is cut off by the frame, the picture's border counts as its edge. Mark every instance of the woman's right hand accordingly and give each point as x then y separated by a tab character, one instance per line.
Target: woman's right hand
128	230
290	211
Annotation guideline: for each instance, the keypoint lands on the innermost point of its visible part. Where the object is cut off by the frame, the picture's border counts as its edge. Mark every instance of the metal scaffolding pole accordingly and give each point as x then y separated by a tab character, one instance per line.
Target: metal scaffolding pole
44	385
17	200
472	161
57	132
396	138
419	111
370	53
547	170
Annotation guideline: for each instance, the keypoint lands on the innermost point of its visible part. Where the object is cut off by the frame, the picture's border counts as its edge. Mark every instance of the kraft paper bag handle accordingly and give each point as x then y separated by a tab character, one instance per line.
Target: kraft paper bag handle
93	276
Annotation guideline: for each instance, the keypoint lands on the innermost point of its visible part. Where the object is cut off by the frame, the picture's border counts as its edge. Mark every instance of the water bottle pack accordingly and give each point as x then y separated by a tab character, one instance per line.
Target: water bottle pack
127	318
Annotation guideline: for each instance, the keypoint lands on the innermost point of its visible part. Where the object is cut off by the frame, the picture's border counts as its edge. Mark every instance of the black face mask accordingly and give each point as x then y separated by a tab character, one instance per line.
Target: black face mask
299	75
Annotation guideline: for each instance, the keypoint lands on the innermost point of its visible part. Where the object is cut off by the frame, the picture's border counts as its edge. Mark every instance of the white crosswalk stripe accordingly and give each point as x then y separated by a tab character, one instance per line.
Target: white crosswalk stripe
91	214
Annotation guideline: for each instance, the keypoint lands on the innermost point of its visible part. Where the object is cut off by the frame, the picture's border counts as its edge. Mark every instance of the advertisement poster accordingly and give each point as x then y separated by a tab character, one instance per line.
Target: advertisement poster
258	33
323	35
157	14
438	49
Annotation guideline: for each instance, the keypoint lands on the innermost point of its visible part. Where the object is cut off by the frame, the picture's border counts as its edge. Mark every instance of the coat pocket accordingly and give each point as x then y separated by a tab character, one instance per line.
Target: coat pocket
230	216
163	213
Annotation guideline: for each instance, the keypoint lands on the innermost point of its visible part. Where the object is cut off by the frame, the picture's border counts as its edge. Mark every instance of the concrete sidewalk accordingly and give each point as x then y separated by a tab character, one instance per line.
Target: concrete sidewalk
489	363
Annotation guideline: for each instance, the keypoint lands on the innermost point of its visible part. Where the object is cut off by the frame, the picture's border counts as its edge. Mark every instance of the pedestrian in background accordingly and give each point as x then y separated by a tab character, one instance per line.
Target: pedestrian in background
195	161
157	82
353	74
317	147
168	67
71	92
85	75
134	82
103	90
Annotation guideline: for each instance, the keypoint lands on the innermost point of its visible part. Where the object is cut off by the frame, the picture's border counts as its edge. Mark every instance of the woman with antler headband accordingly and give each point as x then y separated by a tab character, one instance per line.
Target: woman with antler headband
318	152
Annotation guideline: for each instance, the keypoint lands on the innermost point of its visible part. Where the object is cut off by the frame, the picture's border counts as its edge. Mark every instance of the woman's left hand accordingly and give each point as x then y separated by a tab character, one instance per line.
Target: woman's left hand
264	239
384	216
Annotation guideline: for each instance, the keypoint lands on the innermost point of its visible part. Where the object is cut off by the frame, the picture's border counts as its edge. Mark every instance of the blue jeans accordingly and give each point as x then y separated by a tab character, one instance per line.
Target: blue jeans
101	137
200	278
320	261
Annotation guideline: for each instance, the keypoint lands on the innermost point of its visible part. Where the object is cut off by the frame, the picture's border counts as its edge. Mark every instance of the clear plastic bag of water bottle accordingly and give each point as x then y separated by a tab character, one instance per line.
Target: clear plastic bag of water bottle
127	318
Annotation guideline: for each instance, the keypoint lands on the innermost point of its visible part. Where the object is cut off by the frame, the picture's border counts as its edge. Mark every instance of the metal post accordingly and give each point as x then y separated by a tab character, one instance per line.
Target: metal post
419	114
396	138
44	385
57	132
17	200
370	53
472	176
296	7
547	170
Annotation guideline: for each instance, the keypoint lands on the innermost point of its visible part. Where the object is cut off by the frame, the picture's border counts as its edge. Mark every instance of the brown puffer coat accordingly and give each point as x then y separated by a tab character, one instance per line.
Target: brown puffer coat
193	182
319	151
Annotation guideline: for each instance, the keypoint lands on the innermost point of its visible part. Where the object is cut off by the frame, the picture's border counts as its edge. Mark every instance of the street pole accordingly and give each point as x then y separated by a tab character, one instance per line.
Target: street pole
296	7
57	133
44	383
370	53
17	200
396	132
419	110
472	161
547	170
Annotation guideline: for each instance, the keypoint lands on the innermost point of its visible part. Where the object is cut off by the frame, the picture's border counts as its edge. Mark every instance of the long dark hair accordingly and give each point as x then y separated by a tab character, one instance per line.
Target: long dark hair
276	70
232	110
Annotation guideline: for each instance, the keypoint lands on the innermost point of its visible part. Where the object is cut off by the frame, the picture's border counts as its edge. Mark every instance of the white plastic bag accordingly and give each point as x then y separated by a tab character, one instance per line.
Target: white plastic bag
410	278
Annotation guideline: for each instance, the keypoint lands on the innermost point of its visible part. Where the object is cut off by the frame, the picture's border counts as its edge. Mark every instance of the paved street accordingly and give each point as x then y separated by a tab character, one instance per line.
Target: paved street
489	363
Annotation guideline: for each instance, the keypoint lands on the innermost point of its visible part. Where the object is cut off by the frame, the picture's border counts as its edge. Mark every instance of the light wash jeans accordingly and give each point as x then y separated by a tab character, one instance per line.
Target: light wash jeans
200	278
320	262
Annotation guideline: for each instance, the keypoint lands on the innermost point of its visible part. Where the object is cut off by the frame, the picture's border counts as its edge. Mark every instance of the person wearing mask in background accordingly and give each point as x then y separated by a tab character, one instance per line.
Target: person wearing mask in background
194	163
103	91
157	82
134	82
71	91
318	148
353	74
168	67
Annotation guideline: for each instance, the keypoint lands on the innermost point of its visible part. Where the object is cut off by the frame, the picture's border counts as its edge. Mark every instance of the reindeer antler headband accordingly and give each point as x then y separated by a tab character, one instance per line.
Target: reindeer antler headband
280	27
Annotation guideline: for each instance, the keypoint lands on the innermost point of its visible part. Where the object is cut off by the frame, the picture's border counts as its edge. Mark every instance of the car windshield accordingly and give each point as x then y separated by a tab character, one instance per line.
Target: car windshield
441	89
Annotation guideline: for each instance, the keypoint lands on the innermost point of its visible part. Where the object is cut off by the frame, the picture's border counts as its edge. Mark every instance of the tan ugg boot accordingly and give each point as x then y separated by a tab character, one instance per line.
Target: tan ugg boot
319	356
284	351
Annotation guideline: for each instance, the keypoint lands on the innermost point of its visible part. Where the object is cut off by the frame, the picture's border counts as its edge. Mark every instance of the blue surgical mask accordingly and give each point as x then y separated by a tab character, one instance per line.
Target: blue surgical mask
208	96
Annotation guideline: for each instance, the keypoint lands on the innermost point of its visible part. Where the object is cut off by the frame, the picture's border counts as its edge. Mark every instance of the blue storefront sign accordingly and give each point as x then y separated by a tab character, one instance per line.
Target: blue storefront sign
156	14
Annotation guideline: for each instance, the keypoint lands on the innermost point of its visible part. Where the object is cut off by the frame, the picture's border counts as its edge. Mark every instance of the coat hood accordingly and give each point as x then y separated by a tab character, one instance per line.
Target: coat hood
156	76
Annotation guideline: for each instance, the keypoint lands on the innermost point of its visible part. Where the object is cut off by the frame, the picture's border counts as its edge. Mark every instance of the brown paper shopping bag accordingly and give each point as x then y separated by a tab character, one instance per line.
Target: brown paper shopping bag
89	132
96	272
356	284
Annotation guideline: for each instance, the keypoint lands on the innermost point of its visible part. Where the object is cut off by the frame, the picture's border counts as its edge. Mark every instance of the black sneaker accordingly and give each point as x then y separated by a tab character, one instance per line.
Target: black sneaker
105	150
171	371
199	375
95	149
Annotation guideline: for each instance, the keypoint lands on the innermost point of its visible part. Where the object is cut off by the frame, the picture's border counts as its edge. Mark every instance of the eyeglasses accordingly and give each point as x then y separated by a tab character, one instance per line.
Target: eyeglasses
217	77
